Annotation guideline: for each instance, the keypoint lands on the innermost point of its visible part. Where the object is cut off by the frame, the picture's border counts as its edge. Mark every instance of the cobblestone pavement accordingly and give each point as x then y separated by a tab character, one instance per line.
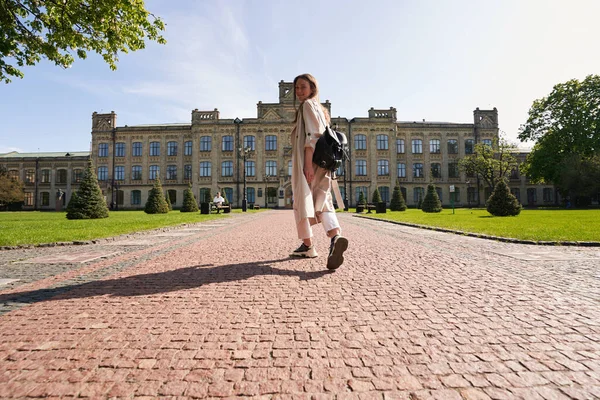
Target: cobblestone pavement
219	310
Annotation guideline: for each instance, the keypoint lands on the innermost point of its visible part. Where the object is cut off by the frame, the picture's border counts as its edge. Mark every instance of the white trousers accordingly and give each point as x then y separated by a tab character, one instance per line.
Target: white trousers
328	219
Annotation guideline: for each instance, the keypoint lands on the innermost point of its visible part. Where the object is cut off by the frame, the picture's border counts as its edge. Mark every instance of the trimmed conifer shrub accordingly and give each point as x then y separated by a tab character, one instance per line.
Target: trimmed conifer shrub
431	202
168	200
397	203
376	197
189	201
88	202
156	203
502	203
361	199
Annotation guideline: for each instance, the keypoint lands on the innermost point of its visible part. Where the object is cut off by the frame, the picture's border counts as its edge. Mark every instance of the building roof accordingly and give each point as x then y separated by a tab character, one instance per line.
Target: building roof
15	154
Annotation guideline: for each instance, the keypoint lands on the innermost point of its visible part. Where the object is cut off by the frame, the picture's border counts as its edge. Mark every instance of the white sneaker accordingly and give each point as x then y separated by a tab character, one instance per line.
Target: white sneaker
305	251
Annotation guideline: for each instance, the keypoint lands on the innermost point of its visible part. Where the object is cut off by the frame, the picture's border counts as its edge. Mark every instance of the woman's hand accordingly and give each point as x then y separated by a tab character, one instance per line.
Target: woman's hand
309	171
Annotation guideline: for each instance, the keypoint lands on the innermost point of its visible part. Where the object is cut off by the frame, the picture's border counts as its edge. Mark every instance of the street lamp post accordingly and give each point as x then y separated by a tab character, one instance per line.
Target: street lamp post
267	176
244	152
237	123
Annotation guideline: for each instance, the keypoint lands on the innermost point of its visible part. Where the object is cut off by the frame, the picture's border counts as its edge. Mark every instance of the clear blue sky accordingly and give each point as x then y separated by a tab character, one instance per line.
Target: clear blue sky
431	59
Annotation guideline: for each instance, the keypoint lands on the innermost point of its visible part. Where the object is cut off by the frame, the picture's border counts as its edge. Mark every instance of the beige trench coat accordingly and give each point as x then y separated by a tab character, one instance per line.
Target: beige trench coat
309	200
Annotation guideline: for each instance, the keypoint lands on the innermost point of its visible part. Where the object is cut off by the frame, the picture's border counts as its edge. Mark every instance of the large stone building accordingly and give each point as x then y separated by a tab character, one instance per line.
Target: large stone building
210	153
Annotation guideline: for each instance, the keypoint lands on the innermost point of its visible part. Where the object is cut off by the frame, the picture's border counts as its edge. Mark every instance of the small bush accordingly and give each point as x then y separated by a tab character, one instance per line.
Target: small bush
189	201
502	203
397	203
156	203
361	199
168	200
431	203
376	197
88	202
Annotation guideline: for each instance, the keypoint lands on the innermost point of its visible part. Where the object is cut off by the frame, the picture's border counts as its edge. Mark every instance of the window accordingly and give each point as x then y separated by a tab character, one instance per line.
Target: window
227	168
136	197
13	174
340	170
172	196
119	149
361	168
438	190
417	170
77	175
30	176
400	146
487	142
364	191
455	196
45	198
434	146
227	144
205	195
120	173
61	176
249	142
250	195
531	196
206	143
228	194
360	142
171	172
136	173
103	150
102	173
382	142
154	172
548	195
289	168
136	149
187	148
418	194
436	170
452	146
384	192
206	169
28	199
271	168
469	146
187	172
45	176
250	168
172	148
271	143
155	149
453	170
471	195
383	167
417	146
517	193
401	170
514	173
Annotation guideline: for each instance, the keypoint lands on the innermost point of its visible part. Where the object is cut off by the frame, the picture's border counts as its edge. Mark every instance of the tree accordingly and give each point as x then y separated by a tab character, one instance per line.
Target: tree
502	203
361	198
57	30
189	201
11	190
168	200
376	197
156	203
398	203
88	202
491	163
431	203
566	128
580	176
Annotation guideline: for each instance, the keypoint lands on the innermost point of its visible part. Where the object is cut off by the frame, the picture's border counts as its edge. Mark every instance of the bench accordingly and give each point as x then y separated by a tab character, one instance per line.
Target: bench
256	207
218	208
371	207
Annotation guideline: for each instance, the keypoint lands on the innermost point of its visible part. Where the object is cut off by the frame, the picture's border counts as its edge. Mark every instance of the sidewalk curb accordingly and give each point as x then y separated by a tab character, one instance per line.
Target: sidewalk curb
484	236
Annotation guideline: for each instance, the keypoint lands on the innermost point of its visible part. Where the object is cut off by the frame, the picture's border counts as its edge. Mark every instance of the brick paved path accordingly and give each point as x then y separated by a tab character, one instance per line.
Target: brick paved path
223	312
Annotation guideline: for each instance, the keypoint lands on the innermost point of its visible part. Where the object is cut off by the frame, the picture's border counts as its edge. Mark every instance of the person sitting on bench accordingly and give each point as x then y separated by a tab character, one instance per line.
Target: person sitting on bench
218	201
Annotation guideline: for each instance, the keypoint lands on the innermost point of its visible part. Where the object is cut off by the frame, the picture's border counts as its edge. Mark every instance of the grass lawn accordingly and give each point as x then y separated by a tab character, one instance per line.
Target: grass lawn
21	228
538	225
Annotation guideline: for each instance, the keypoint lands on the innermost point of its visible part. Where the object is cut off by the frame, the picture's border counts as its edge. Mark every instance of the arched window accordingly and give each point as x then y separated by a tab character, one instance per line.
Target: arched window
382	142
383	167
361	167
227	168
360	142
227	143
206	169
271	143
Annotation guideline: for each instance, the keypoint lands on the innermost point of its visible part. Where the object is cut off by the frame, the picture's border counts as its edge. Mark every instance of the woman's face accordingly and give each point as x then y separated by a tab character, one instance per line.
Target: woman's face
303	90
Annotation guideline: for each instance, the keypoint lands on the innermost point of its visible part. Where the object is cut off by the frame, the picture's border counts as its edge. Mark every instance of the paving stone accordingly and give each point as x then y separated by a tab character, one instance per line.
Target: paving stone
220	311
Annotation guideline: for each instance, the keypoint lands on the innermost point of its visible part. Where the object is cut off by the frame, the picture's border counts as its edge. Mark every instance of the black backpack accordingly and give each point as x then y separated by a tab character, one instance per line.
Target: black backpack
330	150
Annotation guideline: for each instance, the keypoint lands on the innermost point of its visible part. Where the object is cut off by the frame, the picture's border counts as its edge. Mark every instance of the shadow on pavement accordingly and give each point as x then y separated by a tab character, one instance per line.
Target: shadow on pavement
160	282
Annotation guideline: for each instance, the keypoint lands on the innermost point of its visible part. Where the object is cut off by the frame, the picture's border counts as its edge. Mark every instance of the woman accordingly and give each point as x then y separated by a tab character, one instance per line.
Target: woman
311	185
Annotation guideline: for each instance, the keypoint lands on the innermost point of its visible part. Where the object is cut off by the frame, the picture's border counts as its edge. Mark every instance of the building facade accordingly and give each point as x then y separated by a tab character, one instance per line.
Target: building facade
215	154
